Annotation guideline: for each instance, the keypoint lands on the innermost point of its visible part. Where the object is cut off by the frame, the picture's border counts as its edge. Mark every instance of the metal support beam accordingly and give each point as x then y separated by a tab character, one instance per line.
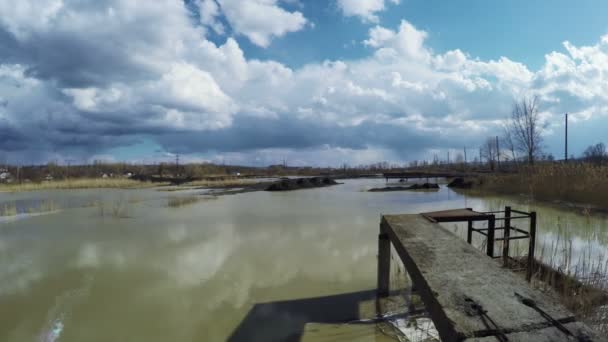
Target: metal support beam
506	235
490	245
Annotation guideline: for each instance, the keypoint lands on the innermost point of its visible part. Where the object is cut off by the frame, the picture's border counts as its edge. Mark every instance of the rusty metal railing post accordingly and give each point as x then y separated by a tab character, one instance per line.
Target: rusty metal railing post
491	226
531	246
506	235
469	231
384	262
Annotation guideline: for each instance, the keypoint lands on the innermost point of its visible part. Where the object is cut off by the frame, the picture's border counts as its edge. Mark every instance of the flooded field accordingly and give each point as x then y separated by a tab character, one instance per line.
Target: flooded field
143	265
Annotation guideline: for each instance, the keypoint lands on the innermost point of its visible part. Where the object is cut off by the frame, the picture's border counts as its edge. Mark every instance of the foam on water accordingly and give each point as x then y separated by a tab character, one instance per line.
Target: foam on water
23	216
59	313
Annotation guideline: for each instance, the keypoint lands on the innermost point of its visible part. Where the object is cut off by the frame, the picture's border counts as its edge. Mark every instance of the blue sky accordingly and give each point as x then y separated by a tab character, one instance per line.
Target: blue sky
521	30
313	82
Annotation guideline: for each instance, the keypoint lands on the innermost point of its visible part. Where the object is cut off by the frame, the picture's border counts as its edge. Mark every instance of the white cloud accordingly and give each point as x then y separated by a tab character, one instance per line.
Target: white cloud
17	15
261	20
209	12
365	9
191	98
93	76
408	42
94	99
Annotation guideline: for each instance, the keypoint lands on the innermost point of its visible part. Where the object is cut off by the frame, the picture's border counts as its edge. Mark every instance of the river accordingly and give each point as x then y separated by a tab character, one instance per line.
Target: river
122	265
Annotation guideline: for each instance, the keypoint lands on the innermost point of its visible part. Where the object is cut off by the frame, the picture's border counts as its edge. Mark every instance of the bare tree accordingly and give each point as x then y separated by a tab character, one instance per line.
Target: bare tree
508	142
526	128
490	152
459	159
596	153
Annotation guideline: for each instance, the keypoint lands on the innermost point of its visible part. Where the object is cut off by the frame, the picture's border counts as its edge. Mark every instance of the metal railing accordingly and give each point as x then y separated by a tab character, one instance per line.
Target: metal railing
507	228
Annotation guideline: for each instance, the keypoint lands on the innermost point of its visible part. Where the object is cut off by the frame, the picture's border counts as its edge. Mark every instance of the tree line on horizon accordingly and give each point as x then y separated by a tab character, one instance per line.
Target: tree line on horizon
521	143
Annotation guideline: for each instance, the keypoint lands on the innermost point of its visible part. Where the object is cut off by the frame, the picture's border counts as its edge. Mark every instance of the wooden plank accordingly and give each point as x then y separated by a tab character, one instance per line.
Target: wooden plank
454	279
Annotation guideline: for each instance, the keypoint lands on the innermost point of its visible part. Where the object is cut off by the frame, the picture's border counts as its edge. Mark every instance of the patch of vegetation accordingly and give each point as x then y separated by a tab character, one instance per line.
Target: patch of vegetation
575	182
8	210
181	201
44	207
82	183
119	208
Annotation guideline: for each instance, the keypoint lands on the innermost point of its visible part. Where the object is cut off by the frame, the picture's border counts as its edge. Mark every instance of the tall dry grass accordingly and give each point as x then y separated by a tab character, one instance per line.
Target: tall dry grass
577	183
582	288
80	183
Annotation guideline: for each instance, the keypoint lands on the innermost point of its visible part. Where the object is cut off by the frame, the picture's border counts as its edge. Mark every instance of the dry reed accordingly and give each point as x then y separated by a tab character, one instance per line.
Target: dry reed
81	183
575	183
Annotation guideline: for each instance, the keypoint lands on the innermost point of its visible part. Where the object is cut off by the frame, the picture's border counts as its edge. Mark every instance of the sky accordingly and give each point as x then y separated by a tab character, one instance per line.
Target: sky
311	82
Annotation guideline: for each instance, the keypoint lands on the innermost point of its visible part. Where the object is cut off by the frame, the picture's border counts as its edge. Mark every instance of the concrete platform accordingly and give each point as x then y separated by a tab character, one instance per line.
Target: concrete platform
468	295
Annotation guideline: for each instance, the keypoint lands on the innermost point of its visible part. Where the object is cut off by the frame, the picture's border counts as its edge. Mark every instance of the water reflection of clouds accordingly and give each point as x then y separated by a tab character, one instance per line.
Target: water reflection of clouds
19	268
574	253
198	262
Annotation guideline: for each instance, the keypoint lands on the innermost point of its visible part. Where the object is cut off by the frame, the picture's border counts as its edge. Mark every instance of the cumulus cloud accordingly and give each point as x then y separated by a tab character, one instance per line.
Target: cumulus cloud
406	42
365	9
258	20
83	77
209	12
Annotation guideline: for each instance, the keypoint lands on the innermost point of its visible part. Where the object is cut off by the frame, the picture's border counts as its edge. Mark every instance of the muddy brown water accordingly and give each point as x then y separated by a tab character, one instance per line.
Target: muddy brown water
120	265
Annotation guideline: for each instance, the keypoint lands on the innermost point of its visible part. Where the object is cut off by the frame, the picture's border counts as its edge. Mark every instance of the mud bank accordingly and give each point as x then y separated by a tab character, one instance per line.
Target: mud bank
301	183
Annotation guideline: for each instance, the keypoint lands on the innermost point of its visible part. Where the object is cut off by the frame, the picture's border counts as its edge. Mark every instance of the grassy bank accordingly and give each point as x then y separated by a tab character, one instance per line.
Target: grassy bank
123	183
81	183
575	183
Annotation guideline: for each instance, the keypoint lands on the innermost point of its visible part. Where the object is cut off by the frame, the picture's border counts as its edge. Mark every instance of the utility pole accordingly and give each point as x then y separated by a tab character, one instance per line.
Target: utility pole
465	155
177	165
566	141
448	157
480	162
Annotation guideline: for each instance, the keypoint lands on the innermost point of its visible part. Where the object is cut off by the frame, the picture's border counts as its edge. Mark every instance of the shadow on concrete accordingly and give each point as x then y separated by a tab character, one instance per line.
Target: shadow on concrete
285	320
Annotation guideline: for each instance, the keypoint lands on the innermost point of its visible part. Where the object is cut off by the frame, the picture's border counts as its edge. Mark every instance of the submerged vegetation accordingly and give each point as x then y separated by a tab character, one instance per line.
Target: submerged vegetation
181	201
119	208
10	209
